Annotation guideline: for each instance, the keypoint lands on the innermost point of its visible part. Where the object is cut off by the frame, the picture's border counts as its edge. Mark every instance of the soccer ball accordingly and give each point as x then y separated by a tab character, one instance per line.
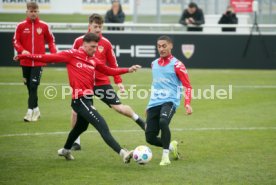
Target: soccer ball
142	154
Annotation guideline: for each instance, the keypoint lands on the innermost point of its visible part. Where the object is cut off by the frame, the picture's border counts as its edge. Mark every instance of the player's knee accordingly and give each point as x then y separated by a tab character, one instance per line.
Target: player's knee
123	109
33	86
73	119
150	138
83	128
119	108
163	123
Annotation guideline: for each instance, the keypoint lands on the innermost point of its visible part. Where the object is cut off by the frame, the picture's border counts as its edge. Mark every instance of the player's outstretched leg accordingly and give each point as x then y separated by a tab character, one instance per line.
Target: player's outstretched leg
108	95
127	111
99	123
76	145
79	128
89	113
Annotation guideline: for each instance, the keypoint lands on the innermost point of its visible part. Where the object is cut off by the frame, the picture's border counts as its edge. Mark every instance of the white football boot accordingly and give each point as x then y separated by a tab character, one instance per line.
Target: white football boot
165	161
28	116
126	155
66	153
36	115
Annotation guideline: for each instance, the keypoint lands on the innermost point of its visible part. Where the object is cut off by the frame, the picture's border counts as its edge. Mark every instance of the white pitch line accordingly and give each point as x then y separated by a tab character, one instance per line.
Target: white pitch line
127	131
251	86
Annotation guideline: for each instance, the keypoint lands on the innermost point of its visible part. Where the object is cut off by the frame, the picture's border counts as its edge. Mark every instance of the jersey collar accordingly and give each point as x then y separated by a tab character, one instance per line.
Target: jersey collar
165	60
30	21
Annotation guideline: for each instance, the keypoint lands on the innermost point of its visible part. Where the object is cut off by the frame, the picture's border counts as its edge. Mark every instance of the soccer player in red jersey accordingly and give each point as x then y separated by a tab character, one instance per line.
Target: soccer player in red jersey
81	66
102	88
29	38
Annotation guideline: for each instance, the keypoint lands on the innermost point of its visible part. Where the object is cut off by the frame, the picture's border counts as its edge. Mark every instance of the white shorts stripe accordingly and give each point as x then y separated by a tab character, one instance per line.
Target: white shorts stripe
84	104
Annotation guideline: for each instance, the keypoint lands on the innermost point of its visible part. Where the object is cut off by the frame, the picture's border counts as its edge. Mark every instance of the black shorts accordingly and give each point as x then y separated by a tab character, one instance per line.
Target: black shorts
87	101
107	94
154	114
32	74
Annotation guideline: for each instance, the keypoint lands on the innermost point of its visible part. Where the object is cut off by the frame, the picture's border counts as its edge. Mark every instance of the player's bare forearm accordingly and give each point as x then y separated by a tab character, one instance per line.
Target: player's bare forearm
121	87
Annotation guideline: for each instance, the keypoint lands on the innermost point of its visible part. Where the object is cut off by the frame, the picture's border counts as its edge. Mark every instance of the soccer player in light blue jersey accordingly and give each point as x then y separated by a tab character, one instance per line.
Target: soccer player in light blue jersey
169	76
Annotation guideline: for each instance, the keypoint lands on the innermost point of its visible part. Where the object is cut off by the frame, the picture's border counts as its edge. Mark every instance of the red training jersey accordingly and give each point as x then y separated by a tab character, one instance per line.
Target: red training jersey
80	67
182	74
31	36
106	55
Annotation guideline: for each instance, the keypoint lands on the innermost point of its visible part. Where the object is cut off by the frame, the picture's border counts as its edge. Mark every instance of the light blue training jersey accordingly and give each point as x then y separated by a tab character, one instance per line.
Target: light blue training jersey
166	87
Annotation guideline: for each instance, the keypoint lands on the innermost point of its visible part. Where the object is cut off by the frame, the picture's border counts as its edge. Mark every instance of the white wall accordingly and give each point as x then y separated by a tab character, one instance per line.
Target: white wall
65	6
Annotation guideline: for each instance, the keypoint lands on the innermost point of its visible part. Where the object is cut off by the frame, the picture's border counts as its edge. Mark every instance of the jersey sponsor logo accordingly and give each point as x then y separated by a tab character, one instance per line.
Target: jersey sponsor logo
27	30
188	50
161	80
39	30
100	49
83	65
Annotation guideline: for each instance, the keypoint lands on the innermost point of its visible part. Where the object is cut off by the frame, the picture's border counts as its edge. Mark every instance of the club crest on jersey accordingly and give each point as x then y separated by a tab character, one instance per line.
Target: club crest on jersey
39	31
100	48
188	50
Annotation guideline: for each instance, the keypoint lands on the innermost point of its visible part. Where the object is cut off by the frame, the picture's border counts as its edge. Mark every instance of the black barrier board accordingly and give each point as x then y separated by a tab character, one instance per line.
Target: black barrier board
195	51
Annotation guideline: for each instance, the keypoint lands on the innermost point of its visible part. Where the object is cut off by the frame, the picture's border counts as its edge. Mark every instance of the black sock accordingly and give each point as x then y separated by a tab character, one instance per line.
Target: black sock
141	123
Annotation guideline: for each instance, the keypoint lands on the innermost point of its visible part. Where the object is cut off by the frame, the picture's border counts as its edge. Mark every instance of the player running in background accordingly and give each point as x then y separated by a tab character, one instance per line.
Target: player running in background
168	74
102	88
29	38
81	66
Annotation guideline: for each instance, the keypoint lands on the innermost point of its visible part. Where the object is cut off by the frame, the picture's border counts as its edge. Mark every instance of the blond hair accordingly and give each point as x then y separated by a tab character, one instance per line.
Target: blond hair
32	5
